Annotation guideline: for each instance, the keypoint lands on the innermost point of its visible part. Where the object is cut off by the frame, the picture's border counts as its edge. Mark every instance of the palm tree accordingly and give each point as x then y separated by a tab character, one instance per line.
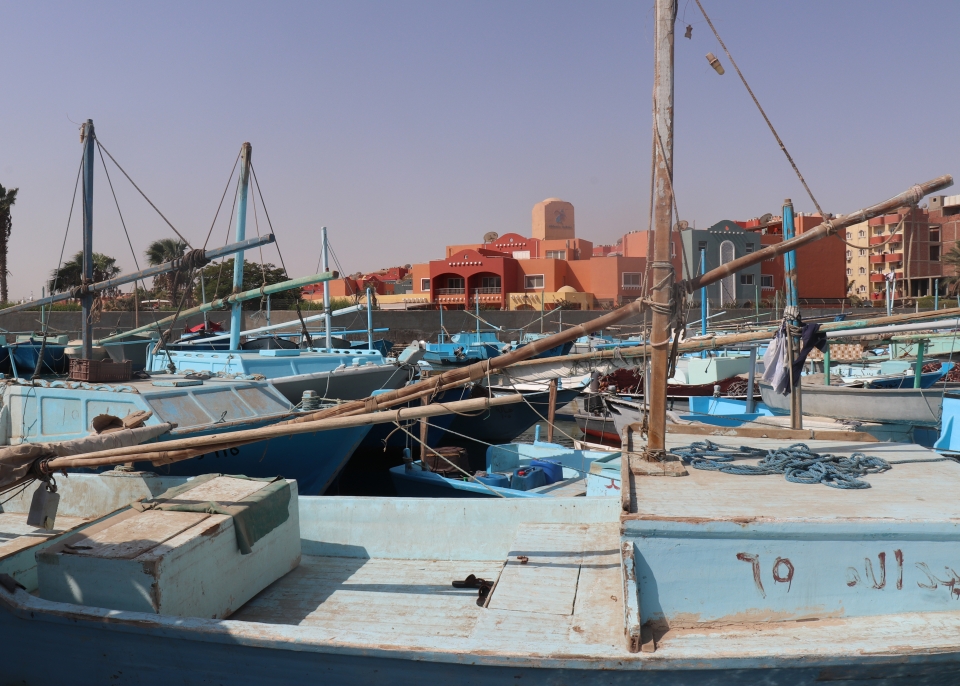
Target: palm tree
952	258
160	252
7	199
71	272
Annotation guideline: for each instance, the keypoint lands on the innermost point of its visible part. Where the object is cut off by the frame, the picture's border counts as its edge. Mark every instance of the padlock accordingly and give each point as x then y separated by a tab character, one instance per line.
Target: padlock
43	507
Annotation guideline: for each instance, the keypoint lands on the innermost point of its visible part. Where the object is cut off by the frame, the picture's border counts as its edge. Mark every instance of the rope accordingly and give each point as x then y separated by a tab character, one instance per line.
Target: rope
303	325
796	462
99	145
225	189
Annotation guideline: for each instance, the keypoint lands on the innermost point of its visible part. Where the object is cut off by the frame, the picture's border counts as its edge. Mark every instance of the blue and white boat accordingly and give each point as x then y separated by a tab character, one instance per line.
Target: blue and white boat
515	470
53	411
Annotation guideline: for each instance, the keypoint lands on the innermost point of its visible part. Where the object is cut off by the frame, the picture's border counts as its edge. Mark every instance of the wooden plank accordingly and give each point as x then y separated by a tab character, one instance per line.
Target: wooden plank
135	535
547	582
920	490
15	534
386	601
223	489
772	432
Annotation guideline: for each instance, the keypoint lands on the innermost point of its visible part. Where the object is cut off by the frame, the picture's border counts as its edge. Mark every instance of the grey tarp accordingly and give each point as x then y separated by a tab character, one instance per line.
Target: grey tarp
16	461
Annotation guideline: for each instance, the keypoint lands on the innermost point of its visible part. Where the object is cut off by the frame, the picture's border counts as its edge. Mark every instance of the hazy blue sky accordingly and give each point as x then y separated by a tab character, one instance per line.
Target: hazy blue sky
406	126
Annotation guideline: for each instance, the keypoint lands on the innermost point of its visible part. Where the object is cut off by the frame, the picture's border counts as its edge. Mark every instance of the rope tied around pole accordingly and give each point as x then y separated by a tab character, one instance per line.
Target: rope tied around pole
672	309
192	259
796	462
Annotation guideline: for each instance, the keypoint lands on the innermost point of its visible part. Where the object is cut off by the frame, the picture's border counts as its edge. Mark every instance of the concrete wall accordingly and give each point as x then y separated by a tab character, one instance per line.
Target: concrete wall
404	326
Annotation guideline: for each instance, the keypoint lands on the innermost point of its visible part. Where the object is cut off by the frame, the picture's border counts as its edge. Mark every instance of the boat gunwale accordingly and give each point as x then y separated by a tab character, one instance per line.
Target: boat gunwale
244	634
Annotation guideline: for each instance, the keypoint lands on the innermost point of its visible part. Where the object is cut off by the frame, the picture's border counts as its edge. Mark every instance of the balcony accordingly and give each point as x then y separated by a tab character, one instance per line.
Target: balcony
449	291
886	257
486	291
877	240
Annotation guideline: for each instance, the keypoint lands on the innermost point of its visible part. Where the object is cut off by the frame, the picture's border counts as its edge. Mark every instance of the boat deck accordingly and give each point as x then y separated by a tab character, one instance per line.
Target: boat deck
16	534
922	487
567	594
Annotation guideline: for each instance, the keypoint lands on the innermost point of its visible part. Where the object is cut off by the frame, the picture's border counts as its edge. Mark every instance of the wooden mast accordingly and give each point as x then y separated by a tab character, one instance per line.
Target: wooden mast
662	277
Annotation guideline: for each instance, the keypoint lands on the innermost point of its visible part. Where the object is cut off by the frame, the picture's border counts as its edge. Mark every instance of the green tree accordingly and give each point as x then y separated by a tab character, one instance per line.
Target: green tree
163	251
218	281
71	272
7	199
952	258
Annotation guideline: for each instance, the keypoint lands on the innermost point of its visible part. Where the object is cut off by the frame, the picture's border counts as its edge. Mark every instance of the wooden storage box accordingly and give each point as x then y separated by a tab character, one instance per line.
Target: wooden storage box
182	563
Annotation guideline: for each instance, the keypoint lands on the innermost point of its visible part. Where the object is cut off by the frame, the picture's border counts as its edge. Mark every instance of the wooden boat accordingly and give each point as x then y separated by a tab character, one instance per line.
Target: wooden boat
795	581
899	405
597	425
504	424
51	411
387	434
412	480
25	353
343	382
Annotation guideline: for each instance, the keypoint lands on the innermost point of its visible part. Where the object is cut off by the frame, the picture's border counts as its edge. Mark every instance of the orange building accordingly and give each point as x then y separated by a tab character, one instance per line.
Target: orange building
515	272
821	265
382	282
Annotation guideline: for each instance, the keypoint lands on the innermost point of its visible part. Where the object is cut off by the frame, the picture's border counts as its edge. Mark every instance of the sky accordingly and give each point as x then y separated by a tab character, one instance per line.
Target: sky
406	126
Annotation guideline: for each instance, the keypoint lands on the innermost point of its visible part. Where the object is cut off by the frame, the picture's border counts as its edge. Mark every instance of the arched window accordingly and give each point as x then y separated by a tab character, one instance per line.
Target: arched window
728	284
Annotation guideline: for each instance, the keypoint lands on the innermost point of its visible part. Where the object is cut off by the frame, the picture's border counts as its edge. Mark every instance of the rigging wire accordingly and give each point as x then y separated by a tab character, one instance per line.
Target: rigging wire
101	146
303	325
136	262
225	189
764	114
56	277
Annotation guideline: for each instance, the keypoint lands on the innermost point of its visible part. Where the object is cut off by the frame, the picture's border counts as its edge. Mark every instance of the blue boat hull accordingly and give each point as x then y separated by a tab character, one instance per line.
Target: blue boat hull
24	357
504	423
147	650
313	459
398	439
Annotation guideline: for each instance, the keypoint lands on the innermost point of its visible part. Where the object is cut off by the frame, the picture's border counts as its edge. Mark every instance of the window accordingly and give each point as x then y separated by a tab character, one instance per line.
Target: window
701	245
455	282
934	235
533	282
849	235
849	271
673	249
863	270
934	253
766	281
849	254
425	285
862	289
490	282
746	279
749	248
632	279
862	252
556	254
862	234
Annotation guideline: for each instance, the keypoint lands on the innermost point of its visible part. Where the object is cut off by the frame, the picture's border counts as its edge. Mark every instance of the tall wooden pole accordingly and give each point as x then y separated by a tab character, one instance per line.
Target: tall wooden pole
661	272
88	136
551	410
